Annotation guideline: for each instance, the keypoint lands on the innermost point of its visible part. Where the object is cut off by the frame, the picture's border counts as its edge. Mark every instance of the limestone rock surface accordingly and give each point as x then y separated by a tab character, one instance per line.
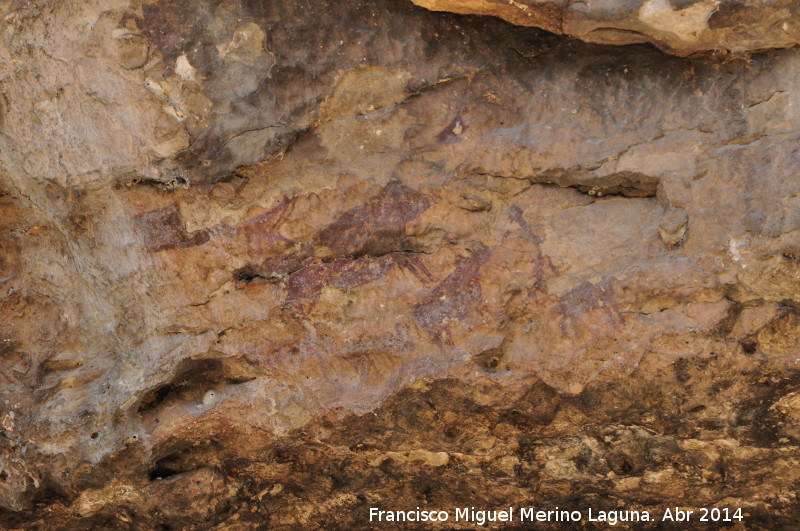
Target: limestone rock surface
274	263
681	27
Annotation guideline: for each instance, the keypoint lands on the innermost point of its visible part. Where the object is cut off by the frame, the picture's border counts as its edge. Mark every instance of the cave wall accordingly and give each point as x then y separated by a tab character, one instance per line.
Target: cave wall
274	263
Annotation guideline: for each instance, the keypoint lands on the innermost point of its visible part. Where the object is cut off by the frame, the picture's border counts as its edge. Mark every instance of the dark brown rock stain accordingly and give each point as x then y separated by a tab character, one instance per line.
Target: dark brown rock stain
589	297
378	226
455	298
453	131
163	229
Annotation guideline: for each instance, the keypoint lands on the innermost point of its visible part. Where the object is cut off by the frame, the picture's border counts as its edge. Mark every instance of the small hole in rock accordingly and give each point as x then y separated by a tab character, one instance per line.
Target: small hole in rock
3	475
489	359
94	435
245	274
749	347
154	398
451	432
161	472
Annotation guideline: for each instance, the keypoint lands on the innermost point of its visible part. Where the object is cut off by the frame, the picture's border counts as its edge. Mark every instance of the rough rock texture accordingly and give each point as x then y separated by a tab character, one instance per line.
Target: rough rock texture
676	26
274	263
